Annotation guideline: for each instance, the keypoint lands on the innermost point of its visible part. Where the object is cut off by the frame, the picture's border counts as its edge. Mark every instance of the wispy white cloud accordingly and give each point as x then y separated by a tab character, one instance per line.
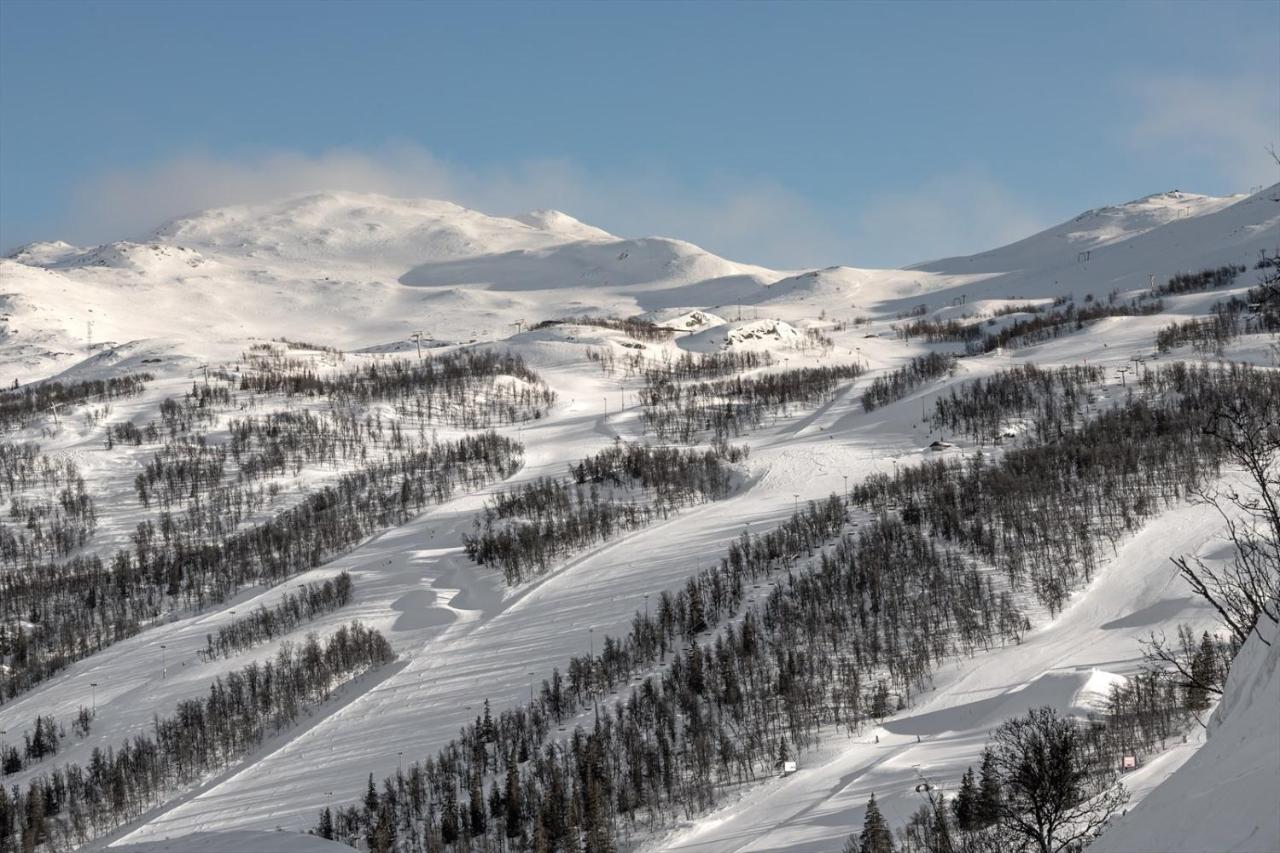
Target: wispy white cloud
1225	121
946	215
755	221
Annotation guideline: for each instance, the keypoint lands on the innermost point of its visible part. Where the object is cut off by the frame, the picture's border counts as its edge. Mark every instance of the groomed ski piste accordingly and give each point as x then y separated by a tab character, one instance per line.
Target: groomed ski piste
363	273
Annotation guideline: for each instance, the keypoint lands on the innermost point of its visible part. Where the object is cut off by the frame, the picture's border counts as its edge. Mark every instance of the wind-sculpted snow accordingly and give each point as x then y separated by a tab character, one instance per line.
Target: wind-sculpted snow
1224	797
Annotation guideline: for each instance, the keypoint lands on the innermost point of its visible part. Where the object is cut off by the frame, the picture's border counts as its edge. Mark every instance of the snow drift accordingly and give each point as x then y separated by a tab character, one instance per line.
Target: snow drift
1225	797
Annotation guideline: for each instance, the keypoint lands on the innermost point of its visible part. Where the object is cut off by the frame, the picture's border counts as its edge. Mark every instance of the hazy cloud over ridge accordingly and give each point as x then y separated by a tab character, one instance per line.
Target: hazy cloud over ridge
755	221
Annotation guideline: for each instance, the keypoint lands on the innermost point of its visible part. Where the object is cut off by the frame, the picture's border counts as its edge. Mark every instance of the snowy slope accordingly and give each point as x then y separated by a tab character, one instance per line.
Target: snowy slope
1224	797
1063	664
237	841
1121	247
304	267
359	271
1091	230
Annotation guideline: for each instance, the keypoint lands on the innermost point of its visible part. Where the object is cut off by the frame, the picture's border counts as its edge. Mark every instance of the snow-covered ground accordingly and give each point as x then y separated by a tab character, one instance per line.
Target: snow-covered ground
363	272
1223	798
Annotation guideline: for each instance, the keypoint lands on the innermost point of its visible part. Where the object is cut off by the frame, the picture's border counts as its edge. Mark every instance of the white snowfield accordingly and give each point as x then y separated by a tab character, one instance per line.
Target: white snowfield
236	841
363	272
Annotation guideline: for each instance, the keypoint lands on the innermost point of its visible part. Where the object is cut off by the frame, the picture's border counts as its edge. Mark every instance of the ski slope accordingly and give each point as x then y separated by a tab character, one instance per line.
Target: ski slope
362	272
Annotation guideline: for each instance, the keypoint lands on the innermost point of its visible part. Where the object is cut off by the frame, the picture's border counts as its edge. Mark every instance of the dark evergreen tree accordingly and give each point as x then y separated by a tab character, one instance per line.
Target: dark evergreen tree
987	811
965	806
514	818
876	836
475	808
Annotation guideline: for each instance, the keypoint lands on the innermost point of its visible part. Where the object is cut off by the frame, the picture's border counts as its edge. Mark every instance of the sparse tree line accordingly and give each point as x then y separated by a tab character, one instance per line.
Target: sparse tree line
70	804
46	526
1053	324
817	339
1043	325
189	468
43	740
1207	279
525	529
201	405
264	625
709	365
684	367
1053	399
55	610
633	327
895	385
1257	313
1037	513
307	345
1169	694
845	641
180	471
56	613
1066	794
23	466
20	405
726	408
473	389
285	441
944	331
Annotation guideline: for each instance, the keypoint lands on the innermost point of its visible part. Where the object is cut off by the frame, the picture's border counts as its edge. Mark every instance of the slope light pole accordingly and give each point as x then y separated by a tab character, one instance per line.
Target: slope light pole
93	687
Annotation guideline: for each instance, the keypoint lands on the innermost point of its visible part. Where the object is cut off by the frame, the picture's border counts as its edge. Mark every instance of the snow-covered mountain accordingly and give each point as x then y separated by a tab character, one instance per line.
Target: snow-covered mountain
362	273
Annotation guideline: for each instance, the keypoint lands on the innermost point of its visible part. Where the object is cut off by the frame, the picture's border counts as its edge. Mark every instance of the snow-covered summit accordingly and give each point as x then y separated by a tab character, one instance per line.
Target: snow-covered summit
366	228
1122	246
560	223
44	253
1091	230
157	258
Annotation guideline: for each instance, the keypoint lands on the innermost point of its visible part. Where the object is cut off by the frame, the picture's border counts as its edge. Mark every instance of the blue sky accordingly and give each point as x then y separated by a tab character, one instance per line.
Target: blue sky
785	134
